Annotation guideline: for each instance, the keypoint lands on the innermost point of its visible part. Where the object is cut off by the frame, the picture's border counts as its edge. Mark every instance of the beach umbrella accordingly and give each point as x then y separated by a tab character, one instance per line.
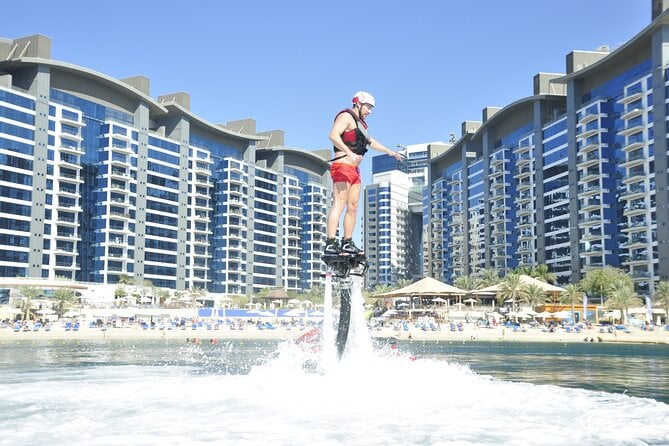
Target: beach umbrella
295	312
471	301
46	311
12	310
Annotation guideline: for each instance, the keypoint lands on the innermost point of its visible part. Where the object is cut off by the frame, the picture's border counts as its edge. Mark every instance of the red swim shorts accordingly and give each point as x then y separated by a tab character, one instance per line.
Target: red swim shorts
345	173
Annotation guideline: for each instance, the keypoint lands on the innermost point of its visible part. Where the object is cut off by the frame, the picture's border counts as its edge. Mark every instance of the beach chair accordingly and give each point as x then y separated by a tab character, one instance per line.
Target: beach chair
75	327
37	326
17	327
68	326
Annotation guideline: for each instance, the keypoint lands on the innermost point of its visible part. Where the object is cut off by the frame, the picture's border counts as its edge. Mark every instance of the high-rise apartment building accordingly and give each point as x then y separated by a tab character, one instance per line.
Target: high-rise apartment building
393	209
575	177
99	181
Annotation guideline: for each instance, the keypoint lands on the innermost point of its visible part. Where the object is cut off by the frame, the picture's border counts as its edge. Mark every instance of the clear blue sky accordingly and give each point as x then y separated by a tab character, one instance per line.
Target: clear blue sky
291	65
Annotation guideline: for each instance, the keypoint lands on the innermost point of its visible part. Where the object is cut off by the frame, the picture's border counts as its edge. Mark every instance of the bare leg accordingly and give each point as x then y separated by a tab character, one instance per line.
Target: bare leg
351	209
339	195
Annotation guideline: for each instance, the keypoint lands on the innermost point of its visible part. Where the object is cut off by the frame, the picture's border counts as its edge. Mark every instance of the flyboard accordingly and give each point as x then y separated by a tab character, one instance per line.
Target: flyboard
342	267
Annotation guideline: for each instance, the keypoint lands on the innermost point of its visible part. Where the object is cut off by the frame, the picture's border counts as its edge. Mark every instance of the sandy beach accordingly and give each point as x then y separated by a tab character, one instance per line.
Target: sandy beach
469	333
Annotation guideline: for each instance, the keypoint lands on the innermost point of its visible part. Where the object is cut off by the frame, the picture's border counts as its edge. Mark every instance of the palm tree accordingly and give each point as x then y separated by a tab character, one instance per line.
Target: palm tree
28	293
524	269
371	295
511	288
161	295
534	295
119	294
599	281
622	297
487	277
572	295
196	292
124	279
542	272
467	283
662	296
64	298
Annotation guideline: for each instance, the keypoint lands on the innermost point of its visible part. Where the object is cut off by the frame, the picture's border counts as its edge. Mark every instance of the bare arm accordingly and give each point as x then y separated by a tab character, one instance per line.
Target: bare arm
374	144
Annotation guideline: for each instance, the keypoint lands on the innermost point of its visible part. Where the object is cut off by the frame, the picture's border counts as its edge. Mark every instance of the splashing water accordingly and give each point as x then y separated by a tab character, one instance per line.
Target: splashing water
370	397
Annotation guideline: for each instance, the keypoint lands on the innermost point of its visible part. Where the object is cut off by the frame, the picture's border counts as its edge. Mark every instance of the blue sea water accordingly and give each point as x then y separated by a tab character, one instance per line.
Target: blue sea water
170	392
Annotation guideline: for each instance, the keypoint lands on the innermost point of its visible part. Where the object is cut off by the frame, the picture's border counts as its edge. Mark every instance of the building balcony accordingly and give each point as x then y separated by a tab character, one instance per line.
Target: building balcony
633	145
595	220
591	203
591	236
69	163
589	116
120	175
125	150
67	221
635	177
631	129
632	97
587	191
583	132
120	188
589	147
633	162
633	113
588	159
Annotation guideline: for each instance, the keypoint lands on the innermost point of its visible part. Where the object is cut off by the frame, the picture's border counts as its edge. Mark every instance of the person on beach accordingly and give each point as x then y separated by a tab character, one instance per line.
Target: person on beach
350	139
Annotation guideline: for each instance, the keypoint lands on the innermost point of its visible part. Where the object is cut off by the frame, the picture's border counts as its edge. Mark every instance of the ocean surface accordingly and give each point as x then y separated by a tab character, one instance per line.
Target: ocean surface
173	392
170	392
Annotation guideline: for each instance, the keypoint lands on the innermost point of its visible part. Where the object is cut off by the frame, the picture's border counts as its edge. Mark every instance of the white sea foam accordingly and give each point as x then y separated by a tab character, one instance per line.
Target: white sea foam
381	397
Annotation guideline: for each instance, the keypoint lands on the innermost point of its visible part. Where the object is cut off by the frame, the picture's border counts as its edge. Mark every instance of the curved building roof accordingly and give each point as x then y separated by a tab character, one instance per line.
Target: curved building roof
110	82
157	108
627	51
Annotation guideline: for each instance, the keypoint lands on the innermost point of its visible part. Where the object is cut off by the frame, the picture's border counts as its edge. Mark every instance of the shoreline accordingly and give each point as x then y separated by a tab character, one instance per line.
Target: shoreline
470	333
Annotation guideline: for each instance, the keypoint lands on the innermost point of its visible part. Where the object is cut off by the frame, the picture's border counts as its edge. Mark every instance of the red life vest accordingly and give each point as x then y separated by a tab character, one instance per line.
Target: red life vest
358	138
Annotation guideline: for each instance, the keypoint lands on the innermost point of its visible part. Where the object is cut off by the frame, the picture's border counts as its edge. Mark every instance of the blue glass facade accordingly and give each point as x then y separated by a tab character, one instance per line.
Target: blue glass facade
582	173
99	189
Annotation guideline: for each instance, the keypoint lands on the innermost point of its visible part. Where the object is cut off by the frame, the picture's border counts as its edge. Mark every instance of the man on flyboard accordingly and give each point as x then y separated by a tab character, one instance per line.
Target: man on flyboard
350	138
